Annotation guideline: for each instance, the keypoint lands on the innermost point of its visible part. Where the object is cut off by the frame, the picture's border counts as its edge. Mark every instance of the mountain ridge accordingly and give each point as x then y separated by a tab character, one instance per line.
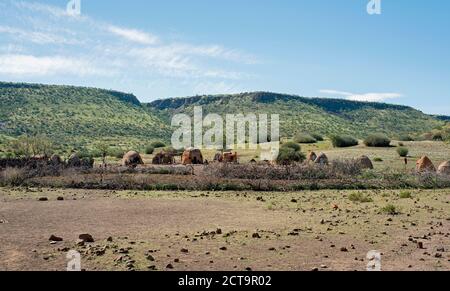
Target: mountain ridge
76	116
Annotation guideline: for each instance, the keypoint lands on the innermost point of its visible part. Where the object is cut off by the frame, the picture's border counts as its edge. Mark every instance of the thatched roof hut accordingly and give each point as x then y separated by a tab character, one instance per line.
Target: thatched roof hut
132	159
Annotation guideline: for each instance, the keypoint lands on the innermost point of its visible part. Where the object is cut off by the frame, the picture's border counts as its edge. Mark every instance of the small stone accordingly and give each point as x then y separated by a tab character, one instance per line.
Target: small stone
420	245
109	239
184	251
43	199
315	270
150	258
169	266
438	255
256	235
54	238
86	238
79	242
60	198
294	201
344	249
219	231
223	248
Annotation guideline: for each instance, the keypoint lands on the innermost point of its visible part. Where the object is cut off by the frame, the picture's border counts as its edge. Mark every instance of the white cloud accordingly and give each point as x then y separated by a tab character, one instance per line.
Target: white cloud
20	65
367	97
82	45
133	35
36	36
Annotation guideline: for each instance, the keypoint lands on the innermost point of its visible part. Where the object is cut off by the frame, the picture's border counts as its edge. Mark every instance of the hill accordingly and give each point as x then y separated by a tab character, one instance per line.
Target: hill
75	116
318	115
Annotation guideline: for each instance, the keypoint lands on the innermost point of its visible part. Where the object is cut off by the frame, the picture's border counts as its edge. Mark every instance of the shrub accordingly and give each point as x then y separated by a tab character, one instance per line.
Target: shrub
342	141
406	138
359	197
157	144
317	136
292	145
378	160
390	210
288	156
116	152
149	150
403	152
377	140
437	136
12	177
405	195
304	138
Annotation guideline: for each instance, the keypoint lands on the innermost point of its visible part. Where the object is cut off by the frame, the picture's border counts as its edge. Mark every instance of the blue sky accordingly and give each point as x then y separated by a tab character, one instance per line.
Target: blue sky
158	49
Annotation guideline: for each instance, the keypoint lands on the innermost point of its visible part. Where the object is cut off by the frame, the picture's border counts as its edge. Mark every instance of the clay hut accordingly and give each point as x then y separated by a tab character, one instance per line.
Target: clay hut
230	157
311	157
365	163
192	157
132	159
321	159
444	168
163	158
425	165
218	158
74	161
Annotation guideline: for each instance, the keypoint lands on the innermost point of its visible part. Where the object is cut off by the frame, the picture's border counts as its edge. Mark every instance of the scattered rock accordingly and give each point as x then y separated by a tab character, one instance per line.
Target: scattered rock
344	250
169	266
87	238
223	249
109	239
256	235
184	251
54	238
43	199
60	198
150	258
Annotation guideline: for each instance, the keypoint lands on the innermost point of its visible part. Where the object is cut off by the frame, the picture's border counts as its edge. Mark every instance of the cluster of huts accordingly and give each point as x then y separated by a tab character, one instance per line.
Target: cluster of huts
190	156
424	164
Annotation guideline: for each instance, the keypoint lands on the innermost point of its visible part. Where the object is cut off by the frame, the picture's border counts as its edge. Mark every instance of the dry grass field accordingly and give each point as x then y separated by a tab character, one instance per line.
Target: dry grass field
329	230
228	230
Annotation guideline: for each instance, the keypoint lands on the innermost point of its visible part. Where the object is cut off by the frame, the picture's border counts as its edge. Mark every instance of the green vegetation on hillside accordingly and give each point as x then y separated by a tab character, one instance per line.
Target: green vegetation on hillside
81	118
76	117
319	115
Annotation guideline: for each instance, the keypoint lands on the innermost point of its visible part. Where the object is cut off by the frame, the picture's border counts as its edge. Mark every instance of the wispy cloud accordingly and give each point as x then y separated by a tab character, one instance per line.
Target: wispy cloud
71	40
133	35
367	97
25	65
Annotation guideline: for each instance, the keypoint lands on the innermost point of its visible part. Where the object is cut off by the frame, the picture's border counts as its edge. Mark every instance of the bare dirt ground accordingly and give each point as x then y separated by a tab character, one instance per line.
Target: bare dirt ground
224	230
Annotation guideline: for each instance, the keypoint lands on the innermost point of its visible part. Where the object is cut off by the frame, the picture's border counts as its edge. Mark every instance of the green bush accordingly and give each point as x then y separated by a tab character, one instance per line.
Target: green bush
317	136
406	138
292	145
157	144
304	138
405	195
403	152
149	150
377	140
390	209
116	152
288	156
378	160
359	197
342	141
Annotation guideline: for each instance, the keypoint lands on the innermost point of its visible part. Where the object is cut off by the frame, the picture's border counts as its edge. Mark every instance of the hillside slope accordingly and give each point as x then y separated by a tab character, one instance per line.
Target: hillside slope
322	115
76	116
